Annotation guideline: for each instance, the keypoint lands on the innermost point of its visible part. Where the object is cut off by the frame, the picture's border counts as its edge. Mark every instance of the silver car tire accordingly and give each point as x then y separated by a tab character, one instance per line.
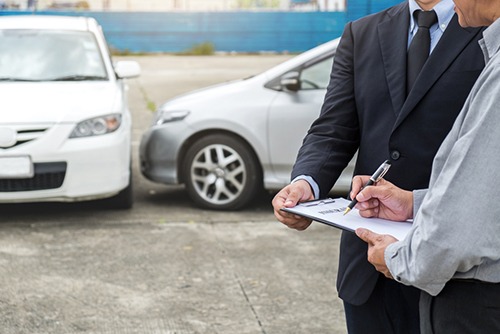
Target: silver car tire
221	173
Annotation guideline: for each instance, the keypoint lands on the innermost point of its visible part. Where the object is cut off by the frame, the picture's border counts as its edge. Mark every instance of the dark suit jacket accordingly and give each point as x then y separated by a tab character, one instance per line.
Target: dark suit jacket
366	108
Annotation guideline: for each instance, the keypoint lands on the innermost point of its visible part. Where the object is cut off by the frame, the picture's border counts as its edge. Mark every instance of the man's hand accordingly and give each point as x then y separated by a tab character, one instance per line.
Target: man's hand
382	200
377	243
290	196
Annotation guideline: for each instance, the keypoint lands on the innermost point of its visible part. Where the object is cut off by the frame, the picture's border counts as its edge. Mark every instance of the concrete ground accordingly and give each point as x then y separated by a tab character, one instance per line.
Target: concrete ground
166	266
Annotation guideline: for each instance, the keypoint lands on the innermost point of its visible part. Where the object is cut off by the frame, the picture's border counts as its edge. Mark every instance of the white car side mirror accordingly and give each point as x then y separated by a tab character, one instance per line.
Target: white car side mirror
127	69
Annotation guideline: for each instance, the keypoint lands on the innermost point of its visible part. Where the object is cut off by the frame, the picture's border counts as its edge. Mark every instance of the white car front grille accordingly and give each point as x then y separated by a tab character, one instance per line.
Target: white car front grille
12	135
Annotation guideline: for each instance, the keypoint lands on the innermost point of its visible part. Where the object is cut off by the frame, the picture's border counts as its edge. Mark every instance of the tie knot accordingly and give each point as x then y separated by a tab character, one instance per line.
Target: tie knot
425	19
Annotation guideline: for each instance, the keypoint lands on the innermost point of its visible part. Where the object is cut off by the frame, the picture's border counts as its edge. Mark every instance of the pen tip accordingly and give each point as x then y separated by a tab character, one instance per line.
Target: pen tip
346	211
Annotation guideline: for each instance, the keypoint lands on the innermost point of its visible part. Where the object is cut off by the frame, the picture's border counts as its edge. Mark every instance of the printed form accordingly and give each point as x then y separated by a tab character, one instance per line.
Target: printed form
330	211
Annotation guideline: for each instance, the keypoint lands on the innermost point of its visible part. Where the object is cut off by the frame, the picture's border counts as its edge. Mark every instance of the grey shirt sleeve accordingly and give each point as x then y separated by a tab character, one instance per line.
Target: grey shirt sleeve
418	197
456	228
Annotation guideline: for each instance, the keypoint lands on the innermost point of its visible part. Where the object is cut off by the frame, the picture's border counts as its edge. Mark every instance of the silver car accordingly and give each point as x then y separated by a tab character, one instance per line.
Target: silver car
228	141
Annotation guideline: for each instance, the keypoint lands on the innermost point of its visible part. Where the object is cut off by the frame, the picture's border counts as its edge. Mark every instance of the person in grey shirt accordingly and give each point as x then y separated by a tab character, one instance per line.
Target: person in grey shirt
452	252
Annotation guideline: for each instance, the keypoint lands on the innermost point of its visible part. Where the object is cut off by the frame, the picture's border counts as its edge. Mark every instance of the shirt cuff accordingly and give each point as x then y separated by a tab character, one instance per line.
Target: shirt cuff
418	197
402	273
390	253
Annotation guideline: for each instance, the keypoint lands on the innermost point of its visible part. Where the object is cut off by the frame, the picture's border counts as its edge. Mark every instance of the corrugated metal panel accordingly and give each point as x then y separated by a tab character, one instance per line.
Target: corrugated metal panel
227	31
360	8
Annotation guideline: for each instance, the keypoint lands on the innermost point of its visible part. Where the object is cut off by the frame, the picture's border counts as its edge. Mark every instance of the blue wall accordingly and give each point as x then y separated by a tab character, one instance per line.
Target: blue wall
360	8
227	31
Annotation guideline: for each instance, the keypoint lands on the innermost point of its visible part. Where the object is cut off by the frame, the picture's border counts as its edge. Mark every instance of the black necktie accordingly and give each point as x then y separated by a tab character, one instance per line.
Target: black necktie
420	45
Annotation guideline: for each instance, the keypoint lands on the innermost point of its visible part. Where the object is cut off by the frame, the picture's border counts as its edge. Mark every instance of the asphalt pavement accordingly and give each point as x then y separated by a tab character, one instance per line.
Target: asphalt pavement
166	266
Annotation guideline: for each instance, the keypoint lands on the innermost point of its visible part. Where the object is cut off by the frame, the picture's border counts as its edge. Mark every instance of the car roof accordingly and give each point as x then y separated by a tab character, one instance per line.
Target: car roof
78	23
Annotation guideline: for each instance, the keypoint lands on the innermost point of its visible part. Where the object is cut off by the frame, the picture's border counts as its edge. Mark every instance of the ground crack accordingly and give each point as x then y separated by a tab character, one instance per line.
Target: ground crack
224	251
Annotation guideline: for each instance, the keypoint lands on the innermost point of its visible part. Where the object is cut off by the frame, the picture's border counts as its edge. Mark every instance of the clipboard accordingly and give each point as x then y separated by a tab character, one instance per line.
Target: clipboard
330	211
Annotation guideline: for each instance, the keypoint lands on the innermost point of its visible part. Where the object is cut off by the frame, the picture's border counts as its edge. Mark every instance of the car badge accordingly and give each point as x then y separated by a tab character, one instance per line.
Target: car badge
8	137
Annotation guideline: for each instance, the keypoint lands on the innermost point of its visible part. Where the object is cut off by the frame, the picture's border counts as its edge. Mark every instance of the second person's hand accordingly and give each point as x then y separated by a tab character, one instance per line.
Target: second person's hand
382	200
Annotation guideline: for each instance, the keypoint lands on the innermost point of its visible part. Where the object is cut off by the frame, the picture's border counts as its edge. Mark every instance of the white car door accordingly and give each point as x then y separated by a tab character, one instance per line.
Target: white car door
291	114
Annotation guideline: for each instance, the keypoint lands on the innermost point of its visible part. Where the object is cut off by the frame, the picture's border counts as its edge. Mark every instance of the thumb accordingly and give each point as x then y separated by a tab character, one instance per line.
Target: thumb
292	199
365	235
301	191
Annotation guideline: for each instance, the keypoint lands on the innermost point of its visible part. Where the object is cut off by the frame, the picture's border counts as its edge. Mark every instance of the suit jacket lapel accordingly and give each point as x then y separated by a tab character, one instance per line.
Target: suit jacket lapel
393	39
449	47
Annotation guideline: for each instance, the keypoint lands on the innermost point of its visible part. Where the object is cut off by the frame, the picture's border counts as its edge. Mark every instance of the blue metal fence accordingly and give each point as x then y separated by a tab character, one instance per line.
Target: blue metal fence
227	31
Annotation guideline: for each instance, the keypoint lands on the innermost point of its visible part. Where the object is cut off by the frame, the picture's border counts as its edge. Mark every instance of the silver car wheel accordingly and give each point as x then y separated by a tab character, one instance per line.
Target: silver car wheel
218	174
221	172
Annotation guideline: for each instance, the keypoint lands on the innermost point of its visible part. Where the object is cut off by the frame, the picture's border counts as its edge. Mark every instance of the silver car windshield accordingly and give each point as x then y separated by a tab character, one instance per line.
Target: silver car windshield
50	55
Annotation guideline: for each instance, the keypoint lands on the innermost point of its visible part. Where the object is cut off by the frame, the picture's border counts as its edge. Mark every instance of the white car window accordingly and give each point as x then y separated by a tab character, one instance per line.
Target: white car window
45	55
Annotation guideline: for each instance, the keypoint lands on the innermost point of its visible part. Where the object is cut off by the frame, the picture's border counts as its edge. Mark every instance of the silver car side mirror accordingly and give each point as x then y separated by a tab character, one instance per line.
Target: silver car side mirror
290	81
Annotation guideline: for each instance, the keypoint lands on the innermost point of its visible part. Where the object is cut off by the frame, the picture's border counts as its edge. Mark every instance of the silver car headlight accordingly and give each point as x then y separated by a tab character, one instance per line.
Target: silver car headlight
166	116
97	126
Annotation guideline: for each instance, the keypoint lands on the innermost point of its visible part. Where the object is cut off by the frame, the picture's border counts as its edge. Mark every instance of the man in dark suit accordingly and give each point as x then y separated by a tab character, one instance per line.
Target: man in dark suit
370	107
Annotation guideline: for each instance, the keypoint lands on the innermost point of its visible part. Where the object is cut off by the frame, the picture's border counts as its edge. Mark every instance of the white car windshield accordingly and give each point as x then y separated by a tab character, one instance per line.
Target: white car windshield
50	55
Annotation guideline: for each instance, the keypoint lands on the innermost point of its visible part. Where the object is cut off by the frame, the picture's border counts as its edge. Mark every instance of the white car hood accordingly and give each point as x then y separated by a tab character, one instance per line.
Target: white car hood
218	92
212	92
60	102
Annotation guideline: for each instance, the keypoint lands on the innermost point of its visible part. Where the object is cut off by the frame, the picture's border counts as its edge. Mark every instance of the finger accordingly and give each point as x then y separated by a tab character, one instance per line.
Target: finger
388	274
288	218
279	199
357	184
369	213
282	215
366	235
368	205
369	208
372	192
299	225
302	225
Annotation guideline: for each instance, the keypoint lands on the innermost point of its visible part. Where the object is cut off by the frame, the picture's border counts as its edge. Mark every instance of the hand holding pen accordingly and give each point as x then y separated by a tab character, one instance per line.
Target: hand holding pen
377	176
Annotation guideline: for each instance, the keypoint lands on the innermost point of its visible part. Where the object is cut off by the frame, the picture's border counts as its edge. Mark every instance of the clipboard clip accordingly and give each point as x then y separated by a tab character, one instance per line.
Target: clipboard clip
318	202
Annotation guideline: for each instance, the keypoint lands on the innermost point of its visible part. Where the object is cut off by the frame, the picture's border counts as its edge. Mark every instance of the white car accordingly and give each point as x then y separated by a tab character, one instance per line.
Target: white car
227	142
65	126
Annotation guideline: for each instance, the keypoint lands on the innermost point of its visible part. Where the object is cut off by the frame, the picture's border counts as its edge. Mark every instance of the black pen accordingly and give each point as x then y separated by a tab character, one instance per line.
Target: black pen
377	176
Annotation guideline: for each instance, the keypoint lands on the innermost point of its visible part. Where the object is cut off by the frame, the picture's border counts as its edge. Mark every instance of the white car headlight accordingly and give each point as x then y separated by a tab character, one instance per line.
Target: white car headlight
166	116
97	126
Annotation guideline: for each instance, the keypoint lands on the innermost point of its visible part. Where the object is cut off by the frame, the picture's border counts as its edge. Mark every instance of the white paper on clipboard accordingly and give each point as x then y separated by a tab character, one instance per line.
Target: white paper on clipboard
330	211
